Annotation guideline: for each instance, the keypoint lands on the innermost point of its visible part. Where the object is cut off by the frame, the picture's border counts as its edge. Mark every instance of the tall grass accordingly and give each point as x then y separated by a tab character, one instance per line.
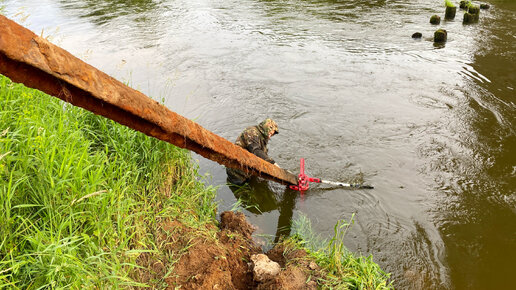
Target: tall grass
80	195
344	269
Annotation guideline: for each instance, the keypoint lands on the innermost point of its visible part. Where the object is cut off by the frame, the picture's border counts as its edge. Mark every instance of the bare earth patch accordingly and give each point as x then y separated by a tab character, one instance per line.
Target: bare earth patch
193	261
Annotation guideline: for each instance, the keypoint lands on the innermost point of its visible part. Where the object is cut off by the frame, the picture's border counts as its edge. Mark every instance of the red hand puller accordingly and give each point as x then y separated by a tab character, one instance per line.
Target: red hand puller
303	181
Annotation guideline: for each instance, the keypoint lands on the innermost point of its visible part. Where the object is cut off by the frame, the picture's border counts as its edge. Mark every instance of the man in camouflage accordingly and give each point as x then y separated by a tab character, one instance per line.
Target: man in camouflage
254	139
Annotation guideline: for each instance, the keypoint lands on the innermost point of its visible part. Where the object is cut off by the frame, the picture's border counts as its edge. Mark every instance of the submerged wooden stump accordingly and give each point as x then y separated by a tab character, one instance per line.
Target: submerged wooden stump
484	6
440	36
450	12
472	15
417	35
475	10
435	19
468	18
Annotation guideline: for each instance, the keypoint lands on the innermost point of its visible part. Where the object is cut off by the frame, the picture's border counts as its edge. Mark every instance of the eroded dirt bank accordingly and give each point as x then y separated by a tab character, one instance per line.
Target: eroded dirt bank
192	260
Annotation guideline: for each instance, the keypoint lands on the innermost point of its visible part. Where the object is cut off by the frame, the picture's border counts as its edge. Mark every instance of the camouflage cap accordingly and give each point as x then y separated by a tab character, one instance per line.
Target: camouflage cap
269	125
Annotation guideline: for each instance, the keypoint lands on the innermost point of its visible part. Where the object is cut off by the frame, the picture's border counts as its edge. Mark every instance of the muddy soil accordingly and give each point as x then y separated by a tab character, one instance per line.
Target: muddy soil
191	260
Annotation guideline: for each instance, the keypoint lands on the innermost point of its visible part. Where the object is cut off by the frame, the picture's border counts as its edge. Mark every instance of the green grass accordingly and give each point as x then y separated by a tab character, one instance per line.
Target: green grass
344	270
448	3
80	195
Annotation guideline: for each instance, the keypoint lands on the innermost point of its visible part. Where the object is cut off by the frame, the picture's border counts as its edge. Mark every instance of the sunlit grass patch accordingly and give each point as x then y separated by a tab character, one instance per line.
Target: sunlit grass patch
80	194
448	3
343	269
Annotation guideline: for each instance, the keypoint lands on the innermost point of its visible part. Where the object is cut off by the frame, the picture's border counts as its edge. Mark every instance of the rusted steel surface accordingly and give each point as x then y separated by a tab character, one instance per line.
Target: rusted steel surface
29	59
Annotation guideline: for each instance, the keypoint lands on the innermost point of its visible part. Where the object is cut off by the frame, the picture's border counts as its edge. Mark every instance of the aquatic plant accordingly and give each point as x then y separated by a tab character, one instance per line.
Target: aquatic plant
448	3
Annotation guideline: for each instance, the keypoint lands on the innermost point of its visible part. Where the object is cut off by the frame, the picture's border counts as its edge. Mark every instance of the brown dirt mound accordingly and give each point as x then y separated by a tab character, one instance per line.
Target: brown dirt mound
292	278
236	222
224	262
298	268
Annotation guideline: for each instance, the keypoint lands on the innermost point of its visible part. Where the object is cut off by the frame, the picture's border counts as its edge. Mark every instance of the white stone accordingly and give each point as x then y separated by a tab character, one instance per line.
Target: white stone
312	265
264	269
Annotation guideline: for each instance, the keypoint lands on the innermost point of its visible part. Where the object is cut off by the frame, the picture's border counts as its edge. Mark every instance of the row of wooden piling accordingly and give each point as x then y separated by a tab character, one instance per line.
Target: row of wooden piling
471	15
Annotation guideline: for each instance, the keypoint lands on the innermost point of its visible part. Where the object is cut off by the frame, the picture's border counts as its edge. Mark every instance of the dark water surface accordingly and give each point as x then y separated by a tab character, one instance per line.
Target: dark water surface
433	128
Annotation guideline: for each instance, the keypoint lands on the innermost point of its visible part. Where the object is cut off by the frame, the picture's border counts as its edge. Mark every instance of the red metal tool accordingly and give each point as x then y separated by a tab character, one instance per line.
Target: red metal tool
303	181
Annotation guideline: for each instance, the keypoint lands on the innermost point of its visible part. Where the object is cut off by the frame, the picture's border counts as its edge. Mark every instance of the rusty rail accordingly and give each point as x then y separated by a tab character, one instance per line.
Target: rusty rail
29	59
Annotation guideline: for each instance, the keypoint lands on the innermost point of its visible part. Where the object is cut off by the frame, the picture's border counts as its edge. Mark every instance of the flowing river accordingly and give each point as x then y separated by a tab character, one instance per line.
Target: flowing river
431	127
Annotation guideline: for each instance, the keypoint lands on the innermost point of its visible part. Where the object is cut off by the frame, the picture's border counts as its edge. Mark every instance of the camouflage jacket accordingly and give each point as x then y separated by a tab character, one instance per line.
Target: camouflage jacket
254	139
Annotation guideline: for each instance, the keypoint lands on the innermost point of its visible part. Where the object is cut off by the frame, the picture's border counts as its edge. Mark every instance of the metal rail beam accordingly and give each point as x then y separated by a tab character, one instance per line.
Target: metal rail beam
29	59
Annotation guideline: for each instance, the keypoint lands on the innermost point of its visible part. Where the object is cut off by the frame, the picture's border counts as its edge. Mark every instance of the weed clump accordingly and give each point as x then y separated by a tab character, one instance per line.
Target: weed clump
343	269
464	4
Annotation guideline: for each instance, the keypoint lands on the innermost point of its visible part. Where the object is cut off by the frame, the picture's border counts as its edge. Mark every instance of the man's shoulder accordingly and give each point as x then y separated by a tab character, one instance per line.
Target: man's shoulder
251	132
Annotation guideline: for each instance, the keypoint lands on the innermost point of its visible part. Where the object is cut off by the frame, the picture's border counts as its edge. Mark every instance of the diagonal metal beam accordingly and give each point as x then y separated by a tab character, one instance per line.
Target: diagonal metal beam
29	59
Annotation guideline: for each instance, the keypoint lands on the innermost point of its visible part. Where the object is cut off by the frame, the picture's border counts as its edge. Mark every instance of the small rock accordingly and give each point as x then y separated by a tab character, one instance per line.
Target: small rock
417	35
435	19
313	266
440	35
484	6
312	284
264	269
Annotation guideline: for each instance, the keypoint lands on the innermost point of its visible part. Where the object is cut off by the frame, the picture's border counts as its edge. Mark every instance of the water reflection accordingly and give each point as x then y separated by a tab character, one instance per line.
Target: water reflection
103	11
473	169
258	197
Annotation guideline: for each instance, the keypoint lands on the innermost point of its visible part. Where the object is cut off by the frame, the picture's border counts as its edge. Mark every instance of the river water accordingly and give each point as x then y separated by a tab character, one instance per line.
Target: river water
431	127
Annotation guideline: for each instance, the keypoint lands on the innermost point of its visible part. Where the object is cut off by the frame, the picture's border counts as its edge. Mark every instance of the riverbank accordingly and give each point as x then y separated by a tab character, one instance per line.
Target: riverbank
86	202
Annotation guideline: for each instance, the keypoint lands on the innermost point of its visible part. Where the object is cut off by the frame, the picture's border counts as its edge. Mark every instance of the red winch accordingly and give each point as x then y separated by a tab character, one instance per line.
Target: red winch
303	181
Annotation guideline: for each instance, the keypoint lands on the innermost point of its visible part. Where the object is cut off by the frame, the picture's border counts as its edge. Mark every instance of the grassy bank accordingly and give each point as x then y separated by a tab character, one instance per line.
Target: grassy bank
80	195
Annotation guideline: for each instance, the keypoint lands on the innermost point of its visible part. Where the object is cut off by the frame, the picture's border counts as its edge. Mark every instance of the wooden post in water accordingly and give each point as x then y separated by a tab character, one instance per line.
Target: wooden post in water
29	59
